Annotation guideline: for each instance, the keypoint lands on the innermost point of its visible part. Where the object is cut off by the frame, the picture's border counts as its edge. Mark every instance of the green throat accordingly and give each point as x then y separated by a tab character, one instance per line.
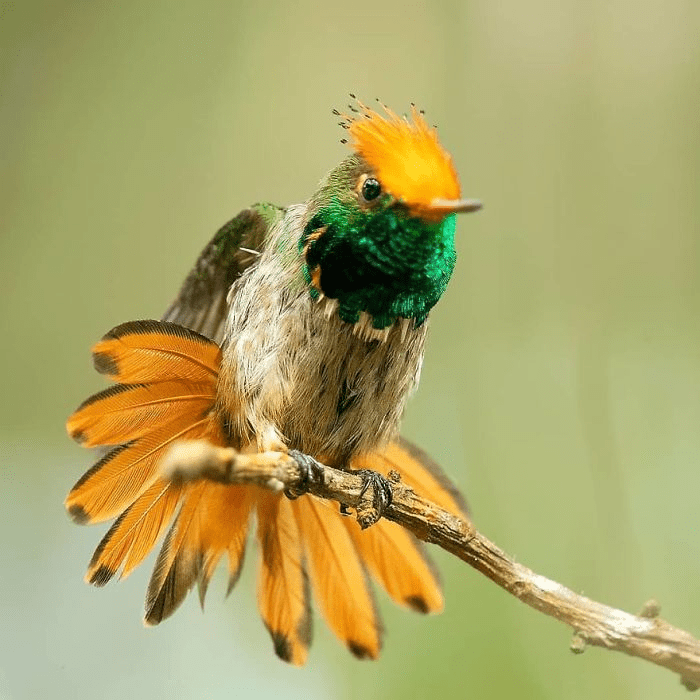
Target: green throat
383	262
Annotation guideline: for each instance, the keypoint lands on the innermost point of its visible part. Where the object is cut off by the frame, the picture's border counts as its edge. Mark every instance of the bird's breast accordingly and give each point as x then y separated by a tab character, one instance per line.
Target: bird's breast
294	373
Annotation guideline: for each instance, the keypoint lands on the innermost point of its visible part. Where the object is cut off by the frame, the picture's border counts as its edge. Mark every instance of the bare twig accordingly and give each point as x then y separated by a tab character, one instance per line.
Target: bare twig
645	635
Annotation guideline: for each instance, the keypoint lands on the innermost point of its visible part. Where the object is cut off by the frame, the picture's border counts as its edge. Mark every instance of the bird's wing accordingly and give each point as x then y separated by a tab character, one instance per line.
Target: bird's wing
201	304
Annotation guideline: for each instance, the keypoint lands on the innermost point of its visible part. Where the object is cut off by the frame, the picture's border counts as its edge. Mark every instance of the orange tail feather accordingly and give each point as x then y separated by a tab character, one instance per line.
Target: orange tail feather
155	351
283	596
338	579
213	520
179	561
123	474
126	412
224	529
134	533
394	557
397	561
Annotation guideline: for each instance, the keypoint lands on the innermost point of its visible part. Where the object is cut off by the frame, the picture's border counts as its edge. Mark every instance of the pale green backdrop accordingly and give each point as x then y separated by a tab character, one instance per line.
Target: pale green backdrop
561	387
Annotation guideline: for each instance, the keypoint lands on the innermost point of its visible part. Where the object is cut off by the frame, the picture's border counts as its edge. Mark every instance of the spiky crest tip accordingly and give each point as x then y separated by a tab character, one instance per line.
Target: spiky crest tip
405	155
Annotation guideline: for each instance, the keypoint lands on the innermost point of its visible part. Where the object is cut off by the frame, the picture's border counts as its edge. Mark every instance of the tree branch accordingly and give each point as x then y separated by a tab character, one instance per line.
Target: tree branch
645	635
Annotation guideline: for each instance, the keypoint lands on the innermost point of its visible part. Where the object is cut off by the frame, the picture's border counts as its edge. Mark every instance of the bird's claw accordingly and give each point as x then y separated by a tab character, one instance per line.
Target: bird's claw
311	471
370	509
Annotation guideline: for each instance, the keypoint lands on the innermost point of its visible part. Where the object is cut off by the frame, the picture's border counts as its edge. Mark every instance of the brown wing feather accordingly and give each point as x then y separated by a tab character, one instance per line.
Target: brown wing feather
283	597
151	351
338	579
127	412
202	302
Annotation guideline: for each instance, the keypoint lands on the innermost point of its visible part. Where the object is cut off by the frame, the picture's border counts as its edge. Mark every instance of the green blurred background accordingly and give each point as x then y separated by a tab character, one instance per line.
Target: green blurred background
561	386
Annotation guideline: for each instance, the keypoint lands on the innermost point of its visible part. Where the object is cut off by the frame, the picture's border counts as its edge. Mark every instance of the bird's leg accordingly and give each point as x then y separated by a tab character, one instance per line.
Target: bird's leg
269	440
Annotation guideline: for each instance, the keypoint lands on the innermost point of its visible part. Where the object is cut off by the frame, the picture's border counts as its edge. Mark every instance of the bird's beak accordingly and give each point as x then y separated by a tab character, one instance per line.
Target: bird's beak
443	207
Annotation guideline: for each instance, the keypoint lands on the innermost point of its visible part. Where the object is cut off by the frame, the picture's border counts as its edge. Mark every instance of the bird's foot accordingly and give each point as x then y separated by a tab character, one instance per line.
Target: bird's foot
375	494
311	472
375	498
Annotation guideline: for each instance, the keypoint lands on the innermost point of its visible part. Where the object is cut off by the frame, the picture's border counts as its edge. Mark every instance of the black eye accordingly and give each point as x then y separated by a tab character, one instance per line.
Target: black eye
371	189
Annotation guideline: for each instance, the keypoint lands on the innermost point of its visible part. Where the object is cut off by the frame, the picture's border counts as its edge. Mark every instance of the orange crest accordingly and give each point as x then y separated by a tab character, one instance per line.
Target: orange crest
406	157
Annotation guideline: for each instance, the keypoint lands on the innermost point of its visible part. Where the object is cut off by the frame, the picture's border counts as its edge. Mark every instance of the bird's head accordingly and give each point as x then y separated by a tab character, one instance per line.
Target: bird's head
380	236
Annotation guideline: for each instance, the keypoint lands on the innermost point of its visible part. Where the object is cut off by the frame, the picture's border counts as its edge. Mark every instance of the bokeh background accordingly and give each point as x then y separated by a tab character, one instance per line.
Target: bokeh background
562	380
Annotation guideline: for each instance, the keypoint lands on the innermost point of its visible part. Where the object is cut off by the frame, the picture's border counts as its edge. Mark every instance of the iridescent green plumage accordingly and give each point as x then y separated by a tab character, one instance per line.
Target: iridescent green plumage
384	262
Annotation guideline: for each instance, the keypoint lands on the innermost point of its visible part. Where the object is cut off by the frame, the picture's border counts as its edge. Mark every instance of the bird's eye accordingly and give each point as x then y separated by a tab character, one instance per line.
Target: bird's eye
371	189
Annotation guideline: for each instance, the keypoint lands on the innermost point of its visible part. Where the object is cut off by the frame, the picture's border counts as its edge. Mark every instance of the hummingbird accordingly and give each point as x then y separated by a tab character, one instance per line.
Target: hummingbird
299	328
